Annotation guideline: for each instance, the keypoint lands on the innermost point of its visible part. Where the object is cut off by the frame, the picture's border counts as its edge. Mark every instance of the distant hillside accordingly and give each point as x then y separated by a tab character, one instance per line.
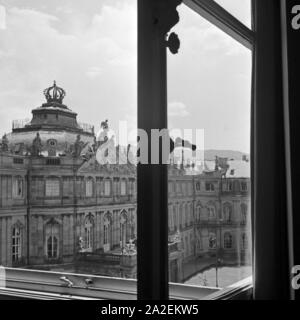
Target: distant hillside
230	154
209	154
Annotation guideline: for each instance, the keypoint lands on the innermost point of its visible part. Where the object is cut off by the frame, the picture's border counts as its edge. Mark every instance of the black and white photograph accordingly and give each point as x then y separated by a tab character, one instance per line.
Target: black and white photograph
148	153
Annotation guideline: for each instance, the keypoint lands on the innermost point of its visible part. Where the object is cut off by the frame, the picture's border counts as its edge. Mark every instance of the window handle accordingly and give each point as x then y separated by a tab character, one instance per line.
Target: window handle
67	281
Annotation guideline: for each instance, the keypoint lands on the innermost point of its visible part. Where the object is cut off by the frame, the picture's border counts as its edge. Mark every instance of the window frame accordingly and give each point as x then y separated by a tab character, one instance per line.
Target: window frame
52	233
49	186
156	286
18	185
17	243
232	26
89	187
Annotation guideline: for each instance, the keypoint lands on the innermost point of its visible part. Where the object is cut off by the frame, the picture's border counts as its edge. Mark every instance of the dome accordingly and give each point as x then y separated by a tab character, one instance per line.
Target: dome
53	143
54	123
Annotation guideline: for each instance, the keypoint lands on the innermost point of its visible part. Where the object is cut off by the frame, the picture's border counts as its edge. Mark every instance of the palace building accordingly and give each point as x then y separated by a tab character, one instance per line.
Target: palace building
61	209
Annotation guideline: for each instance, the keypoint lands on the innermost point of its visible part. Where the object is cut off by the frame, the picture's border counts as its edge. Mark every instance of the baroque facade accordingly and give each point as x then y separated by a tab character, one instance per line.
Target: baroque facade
61	209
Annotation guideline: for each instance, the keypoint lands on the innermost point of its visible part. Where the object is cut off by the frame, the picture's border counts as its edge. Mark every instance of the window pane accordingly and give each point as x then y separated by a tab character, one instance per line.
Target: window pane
52	188
209	87
241	9
65	164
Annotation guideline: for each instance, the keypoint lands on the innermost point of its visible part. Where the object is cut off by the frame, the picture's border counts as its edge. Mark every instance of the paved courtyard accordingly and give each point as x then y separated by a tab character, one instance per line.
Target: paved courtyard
226	275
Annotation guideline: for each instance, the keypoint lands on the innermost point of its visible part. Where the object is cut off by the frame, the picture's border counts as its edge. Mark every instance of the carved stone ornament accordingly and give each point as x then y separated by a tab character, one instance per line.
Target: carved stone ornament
52	145
54	94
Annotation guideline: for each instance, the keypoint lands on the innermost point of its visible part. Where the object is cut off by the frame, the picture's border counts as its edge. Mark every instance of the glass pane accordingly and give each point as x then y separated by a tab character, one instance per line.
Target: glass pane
81	203
241	9
209	94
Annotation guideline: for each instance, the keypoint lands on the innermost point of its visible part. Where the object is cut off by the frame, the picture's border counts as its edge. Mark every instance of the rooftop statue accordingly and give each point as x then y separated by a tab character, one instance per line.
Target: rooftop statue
4	143
37	146
104	124
103	134
78	146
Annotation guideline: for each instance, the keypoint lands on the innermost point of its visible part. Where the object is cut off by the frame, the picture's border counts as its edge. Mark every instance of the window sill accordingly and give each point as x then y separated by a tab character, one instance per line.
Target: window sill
41	285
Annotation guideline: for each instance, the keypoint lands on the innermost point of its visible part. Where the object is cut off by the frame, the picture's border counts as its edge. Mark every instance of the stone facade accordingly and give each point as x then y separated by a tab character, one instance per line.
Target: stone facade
61	209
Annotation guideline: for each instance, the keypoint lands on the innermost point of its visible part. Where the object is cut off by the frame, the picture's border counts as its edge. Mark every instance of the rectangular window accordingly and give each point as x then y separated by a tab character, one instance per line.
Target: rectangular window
18	187
52	188
99	187
90	45
16	244
244	186
209	187
89	188
123	188
107	188
68	187
209	90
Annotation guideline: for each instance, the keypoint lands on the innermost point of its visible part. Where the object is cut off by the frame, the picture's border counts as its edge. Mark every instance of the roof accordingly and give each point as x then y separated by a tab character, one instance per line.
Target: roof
237	168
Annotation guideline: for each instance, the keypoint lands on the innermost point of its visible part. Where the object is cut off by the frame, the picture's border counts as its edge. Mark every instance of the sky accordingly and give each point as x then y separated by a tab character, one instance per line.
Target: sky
90	49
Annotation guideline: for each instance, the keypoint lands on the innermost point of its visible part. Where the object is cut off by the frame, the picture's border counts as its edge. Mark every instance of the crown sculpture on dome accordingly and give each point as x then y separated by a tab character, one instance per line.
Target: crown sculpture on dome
55	94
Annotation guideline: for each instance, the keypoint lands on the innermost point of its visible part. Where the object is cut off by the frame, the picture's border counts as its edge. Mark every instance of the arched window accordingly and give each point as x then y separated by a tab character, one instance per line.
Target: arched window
16	243
192	218
191	243
123	187
123	229
107	188
18	187
52	187
227	212
187	212
89	187
175	220
244	213
106	232
244	241
171	218
52	240
178	186
187	246
228	240
198	211
181	215
211	212
88	233
52	247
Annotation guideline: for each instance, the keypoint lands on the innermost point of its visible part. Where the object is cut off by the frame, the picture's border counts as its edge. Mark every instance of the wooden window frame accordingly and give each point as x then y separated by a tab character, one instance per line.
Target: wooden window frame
154	262
153	280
